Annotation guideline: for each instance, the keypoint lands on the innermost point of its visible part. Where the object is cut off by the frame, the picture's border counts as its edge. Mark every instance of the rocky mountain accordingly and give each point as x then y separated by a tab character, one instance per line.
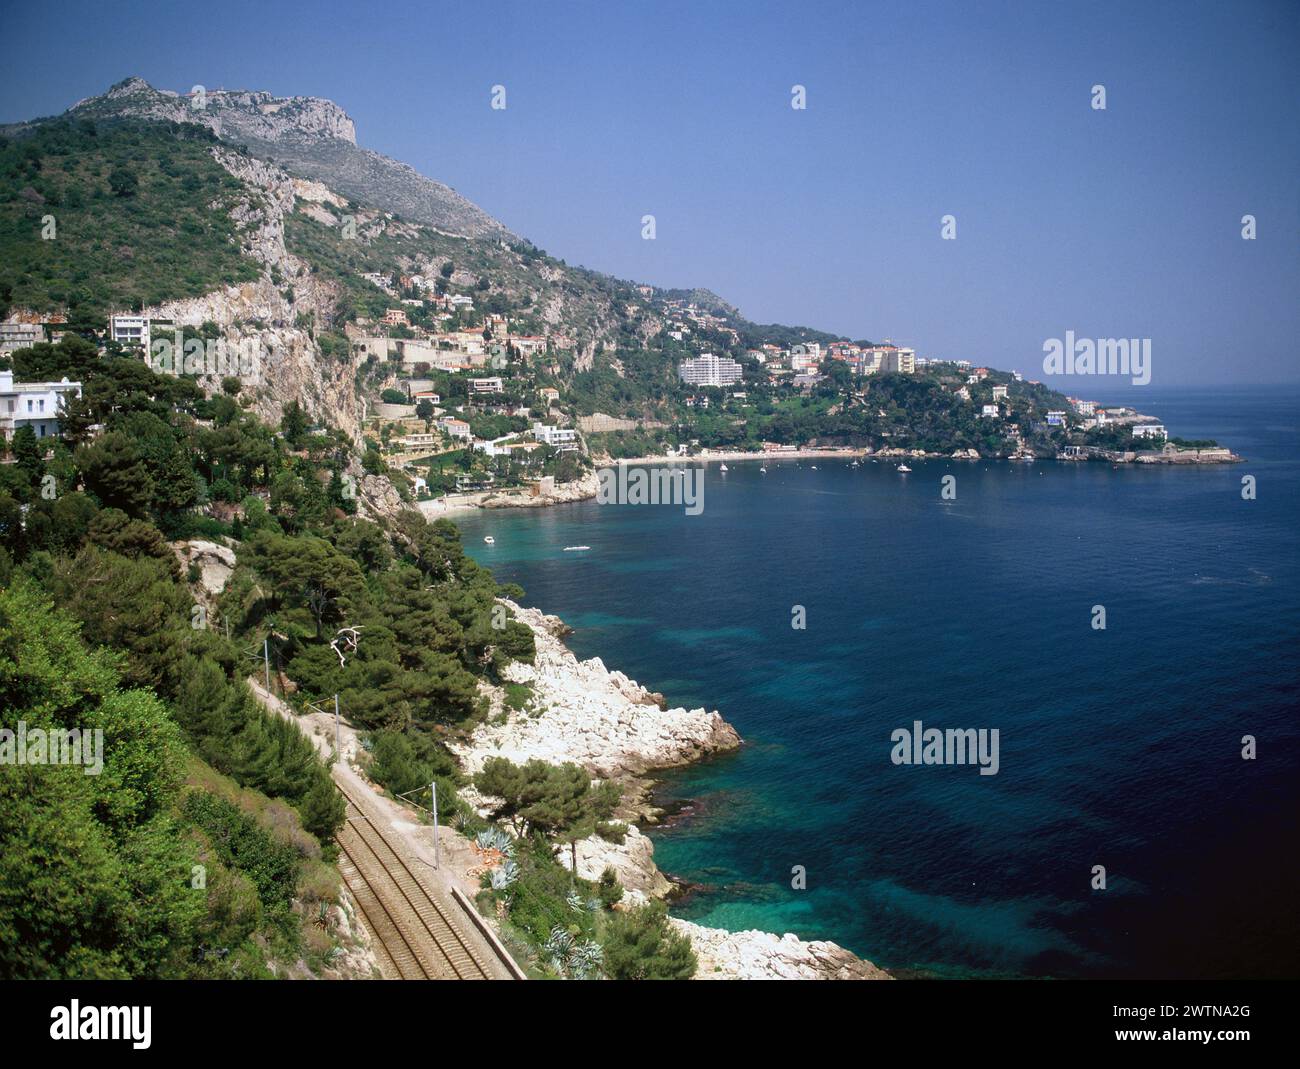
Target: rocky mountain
307	136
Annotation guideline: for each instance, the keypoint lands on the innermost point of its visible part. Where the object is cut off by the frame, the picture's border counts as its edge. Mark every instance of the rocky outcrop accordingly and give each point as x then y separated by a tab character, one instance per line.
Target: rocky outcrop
313	138
582	712
215	563
632	861
581	489
617	729
754	955
265	321
231	114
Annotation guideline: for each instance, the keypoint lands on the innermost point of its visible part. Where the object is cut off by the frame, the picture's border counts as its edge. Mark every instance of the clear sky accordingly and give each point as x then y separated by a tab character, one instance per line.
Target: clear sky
1124	222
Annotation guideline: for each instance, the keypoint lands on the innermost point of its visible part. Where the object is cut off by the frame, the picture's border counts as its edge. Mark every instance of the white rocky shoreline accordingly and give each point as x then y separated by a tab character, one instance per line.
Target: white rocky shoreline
582	712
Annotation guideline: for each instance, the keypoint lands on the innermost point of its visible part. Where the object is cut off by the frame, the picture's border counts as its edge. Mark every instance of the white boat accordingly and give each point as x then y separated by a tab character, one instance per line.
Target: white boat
814	467
489	540
574	549
724	468
762	471
903	467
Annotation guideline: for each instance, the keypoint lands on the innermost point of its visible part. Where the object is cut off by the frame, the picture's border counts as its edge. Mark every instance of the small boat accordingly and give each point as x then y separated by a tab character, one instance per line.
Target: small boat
904	468
575	549
762	471
814	467
724	468
489	540
854	464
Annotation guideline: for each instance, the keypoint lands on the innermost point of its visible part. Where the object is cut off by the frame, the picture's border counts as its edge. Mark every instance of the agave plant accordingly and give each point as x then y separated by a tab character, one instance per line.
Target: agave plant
504	875
496	839
558	947
575	902
585	960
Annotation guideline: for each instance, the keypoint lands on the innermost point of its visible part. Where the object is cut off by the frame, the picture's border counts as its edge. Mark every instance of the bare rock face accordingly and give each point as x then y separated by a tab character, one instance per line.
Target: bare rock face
232	114
583	713
754	955
215	563
377	497
262	317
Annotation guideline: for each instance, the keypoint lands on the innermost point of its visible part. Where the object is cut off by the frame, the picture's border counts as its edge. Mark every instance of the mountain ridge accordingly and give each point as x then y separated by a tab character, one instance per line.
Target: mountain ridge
310	137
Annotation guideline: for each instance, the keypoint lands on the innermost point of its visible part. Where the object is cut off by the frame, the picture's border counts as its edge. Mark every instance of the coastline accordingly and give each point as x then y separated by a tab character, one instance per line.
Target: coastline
618	729
586	488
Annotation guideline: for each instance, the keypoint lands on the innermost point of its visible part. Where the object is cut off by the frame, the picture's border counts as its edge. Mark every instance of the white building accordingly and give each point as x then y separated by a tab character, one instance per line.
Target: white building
710	370
999	393
493	385
1149	430
1055	419
805	355
989	412
891	358
33	404
130	330
457	428
565	439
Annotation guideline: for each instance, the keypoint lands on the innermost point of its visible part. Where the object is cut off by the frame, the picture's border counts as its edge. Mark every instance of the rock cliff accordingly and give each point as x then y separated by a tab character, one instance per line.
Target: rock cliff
581	712
755	955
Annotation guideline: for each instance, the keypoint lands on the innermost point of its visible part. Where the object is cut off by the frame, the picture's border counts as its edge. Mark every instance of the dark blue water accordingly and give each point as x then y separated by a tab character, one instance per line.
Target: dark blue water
1119	748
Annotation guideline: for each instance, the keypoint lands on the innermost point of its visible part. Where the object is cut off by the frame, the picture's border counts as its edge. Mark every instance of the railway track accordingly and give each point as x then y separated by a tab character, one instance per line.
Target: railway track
416	937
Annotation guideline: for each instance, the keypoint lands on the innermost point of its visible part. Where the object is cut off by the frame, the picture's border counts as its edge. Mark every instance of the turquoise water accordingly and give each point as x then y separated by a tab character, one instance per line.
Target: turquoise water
1118	748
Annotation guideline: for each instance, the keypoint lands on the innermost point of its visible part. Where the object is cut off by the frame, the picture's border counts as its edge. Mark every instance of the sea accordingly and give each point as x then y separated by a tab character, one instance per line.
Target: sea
1143	818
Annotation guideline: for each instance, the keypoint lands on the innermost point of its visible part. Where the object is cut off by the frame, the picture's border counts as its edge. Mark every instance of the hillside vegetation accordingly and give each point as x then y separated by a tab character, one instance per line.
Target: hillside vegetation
140	215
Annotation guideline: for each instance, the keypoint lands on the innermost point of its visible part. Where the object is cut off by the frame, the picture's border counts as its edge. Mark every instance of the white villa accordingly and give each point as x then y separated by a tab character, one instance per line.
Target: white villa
33	404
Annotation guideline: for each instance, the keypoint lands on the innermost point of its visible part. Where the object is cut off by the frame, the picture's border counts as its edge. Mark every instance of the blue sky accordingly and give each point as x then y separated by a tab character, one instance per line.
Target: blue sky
1123	222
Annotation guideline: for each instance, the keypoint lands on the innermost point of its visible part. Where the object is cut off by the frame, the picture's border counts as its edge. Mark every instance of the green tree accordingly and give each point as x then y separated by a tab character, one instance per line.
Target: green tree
123	182
93	868
639	945
293	423
115	473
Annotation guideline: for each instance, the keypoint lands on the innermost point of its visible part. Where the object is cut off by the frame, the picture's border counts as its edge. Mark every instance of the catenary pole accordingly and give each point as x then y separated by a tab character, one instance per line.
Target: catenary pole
433	786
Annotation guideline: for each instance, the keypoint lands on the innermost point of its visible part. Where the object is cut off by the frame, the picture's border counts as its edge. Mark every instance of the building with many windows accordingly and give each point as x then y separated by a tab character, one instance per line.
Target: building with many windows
888	358
710	370
15	335
565	439
130	330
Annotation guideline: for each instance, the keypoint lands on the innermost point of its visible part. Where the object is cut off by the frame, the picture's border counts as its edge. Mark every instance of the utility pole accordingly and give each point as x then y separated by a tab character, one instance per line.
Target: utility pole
266	659
336	726
434	805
